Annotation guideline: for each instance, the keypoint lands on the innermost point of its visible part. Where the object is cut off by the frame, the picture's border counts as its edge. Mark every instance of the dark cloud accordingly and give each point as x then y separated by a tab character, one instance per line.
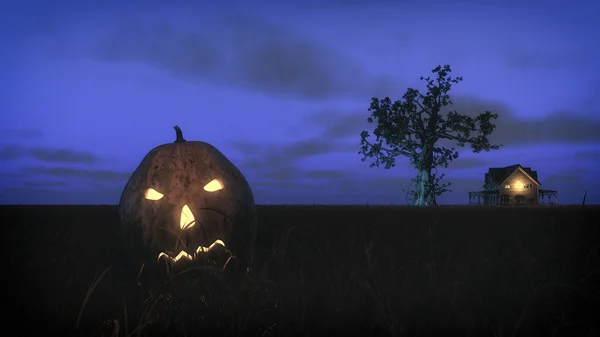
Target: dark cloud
307	148
565	126
247	148
69	172
12	175
9	152
281	184
162	45
560	126
563	179
338	3
22	133
63	156
260	156
328	174
287	173
371	185
255	163
240	51
56	195
284	172
277	166
18	195
584	155
339	125
467	163
537	60
316	146
44	183
592	102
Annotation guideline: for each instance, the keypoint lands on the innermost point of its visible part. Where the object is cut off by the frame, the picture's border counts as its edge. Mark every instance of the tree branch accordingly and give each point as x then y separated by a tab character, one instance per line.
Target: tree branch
453	137
420	106
391	152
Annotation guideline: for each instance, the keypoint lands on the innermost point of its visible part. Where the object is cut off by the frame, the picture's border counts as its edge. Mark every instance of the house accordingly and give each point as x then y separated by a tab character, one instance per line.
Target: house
512	185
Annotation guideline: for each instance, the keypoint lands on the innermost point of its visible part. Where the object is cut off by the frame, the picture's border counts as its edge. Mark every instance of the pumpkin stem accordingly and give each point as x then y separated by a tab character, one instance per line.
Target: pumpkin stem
179	135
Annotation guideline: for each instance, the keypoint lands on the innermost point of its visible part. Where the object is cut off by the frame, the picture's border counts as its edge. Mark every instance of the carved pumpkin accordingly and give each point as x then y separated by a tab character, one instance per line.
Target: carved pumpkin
184	200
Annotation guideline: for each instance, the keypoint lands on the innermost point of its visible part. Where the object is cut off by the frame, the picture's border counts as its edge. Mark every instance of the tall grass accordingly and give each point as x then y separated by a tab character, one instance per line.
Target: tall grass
377	271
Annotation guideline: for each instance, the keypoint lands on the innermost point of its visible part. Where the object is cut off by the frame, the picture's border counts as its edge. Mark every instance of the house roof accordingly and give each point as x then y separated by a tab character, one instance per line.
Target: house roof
498	175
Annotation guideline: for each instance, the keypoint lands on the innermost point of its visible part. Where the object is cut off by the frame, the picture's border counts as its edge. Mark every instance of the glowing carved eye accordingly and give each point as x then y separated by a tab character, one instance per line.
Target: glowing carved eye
213	186
152	194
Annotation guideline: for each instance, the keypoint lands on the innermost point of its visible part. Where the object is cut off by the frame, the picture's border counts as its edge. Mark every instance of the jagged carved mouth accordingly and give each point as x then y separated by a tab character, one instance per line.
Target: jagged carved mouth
183	255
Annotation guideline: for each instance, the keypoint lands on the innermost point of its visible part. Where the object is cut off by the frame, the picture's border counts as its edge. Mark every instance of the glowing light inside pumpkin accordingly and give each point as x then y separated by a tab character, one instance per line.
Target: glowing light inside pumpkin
213	186
185	255
202	249
179	256
152	194
187	219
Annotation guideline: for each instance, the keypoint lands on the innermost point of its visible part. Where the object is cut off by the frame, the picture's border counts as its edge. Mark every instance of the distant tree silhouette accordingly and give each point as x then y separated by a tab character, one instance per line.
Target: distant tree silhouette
412	126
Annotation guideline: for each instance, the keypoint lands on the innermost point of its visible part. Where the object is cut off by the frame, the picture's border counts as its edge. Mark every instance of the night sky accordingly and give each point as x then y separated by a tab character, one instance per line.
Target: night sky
283	89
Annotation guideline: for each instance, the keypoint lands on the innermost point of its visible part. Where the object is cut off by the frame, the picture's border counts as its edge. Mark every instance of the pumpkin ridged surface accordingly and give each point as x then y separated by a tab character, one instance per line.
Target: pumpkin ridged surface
179	171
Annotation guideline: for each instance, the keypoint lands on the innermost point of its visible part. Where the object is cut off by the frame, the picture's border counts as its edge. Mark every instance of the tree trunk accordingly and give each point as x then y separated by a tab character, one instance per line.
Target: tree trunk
425	195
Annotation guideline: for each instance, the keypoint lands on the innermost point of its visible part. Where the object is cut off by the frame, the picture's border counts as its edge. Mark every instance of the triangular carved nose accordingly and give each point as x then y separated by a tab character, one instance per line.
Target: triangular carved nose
187	219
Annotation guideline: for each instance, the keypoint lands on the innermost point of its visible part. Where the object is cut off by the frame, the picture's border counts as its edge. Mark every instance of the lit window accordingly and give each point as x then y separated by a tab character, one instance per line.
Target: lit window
506	186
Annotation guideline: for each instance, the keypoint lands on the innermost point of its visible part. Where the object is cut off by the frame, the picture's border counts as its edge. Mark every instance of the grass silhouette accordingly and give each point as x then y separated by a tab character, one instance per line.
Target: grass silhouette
371	270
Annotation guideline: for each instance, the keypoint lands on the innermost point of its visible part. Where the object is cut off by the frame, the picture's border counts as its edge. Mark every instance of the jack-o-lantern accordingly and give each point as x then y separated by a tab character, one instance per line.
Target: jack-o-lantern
185	200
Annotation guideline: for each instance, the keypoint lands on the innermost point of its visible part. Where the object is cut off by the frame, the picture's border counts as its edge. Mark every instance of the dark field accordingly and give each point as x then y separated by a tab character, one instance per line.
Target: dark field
374	270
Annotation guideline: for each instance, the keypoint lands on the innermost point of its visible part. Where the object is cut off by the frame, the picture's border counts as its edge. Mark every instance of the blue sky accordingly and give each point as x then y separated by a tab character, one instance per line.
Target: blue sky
283	88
